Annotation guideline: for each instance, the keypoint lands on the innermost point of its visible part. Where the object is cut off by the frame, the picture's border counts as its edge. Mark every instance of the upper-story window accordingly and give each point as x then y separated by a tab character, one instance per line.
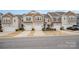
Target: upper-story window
6	21
65	17
71	17
14	20
48	20
54	20
28	18
38	18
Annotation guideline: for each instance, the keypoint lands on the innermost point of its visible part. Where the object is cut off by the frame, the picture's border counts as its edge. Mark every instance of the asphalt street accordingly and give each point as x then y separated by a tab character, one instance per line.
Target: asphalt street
52	42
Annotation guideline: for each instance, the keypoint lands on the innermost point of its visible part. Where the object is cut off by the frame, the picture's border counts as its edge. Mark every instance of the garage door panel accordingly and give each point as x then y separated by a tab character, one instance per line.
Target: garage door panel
28	26
38	26
9	29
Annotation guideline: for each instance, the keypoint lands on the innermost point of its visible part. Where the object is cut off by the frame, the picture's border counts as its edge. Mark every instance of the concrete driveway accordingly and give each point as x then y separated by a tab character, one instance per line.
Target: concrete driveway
39	33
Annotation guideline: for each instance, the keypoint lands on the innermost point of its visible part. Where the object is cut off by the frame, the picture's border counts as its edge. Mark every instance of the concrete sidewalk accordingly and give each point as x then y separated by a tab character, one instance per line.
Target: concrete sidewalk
71	32
4	33
23	34
39	33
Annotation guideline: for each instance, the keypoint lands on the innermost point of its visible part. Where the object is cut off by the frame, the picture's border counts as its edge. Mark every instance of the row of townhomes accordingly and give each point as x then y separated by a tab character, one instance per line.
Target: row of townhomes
37	21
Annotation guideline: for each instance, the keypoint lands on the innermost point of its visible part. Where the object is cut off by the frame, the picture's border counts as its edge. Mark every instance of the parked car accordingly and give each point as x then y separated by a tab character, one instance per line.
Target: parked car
69	28
74	27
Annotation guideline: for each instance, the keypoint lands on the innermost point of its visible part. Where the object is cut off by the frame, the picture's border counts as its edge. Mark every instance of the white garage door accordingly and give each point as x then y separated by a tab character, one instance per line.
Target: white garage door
8	29
38	26
28	26
57	26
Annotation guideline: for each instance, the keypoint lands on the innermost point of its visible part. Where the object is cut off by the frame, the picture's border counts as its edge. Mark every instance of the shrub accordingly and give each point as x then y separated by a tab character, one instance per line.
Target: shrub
43	29
50	29
17	29
54	29
33	29
62	28
1	31
69	28
20	29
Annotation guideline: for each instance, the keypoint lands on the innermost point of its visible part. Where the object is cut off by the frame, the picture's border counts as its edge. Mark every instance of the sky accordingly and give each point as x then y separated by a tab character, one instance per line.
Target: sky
22	11
42	6
27	11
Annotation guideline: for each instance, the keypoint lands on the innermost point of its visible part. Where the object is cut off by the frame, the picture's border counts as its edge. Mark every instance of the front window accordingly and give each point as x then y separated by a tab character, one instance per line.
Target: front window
48	20
38	18
28	18
14	20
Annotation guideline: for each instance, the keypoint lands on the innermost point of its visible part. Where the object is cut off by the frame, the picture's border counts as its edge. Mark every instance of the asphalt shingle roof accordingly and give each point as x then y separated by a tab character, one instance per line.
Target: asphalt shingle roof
8	15
70	13
53	13
60	13
46	16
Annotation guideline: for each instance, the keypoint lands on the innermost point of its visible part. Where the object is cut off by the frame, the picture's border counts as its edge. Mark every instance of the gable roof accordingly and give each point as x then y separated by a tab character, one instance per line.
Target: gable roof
60	13
19	16
70	13
53	13
46	16
33	13
8	15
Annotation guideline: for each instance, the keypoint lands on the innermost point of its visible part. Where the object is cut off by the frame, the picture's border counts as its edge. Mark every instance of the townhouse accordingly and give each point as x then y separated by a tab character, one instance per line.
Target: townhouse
78	19
0	22
62	19
47	21
9	22
69	19
33	20
55	20
36	21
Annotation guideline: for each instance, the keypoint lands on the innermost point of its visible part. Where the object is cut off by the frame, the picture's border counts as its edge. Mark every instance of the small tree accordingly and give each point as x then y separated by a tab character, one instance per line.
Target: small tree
44	27
62	28
48	26
22	27
33	29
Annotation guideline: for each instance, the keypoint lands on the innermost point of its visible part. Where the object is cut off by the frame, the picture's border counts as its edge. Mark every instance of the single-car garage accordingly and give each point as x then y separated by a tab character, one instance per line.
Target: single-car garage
28	26
38	26
9	29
